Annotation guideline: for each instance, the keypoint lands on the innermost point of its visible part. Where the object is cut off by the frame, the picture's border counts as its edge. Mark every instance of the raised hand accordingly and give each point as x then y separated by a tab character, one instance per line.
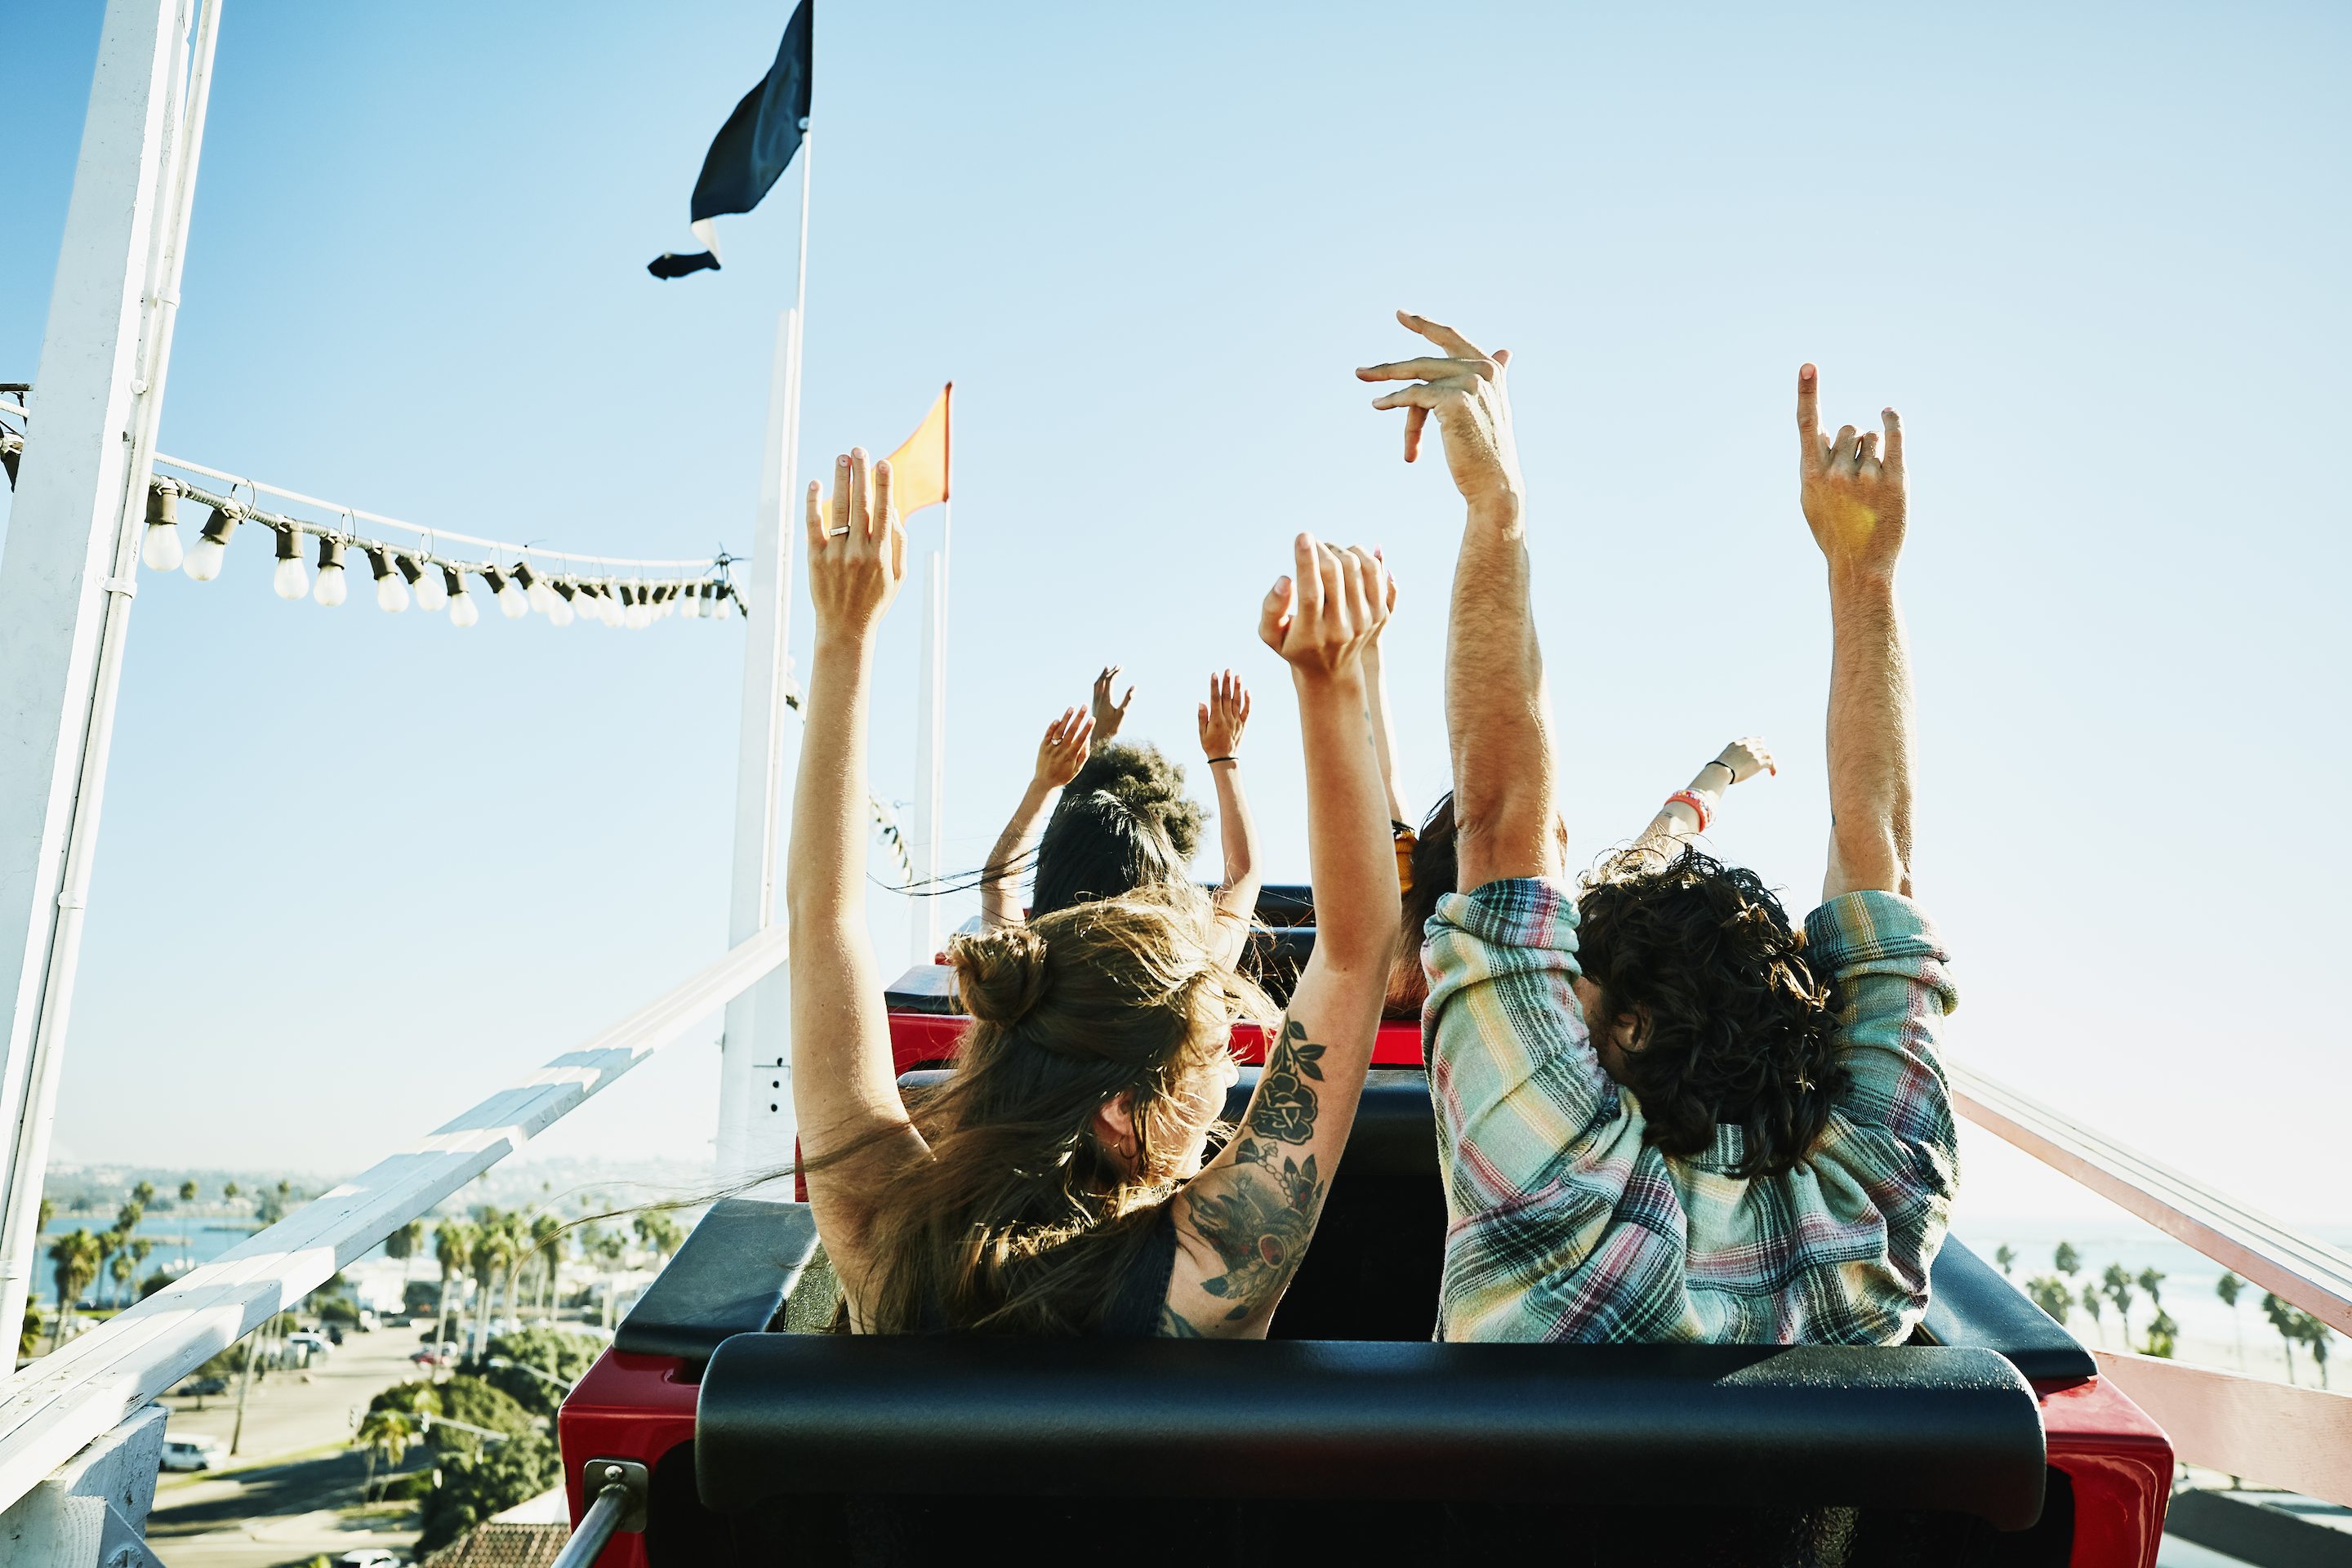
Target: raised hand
1746	757
1064	749
1322	619
1851	492
1466	389
856	549
1223	716
1109	715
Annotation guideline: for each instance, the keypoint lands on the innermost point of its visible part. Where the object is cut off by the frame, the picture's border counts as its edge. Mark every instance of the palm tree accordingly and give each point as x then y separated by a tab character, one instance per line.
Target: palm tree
2118	1285
2227	1288
75	1259
229	1191
143	1193
2282	1317
493	1244
2004	1256
188	1191
405	1244
387	1432
2314	1334
124	1269
2091	1305
2050	1293
106	1242
2163	1335
453	1239
548	1238
2067	1261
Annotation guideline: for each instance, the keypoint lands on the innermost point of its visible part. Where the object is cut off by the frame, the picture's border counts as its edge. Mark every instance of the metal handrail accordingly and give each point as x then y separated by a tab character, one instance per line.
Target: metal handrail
596	1529
2291	1265
51	1409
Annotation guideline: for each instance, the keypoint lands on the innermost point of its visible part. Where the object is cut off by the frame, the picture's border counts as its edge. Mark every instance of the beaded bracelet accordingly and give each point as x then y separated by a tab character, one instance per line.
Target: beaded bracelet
1697	806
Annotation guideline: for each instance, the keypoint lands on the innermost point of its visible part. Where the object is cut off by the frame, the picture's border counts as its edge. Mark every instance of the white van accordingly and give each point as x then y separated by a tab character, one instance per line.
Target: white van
193	1452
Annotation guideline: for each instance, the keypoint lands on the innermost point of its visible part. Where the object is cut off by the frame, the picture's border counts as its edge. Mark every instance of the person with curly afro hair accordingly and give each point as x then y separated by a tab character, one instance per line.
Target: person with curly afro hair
1123	822
1665	1112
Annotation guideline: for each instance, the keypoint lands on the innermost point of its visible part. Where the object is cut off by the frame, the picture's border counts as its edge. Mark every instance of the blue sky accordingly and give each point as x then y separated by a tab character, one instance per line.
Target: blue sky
359	869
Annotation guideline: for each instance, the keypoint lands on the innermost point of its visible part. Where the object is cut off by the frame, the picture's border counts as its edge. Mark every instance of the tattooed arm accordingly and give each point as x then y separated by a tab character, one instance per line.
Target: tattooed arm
1243	1223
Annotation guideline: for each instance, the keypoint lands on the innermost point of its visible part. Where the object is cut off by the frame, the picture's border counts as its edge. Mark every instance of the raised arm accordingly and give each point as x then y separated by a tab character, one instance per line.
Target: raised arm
1854	503
1243	1223
1497	714
1376	705
1223	717
1060	755
1107	715
843	1090
1689	810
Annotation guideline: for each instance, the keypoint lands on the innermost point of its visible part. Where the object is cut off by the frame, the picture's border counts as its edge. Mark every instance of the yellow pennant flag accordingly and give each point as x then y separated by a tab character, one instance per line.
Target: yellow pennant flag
918	469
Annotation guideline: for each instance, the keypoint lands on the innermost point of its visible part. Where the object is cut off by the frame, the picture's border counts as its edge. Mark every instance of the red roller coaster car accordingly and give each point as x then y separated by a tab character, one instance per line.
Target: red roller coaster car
1990	1439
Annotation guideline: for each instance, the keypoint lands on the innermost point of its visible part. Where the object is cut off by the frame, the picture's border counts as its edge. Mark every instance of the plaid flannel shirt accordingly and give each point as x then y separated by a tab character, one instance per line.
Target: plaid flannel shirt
1563	1225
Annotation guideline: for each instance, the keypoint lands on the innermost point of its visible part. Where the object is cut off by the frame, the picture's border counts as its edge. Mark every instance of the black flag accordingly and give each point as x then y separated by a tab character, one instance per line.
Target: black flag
751	150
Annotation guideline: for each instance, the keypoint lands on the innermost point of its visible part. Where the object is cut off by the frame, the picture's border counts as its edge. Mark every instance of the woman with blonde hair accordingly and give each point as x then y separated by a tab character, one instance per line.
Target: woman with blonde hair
1060	1184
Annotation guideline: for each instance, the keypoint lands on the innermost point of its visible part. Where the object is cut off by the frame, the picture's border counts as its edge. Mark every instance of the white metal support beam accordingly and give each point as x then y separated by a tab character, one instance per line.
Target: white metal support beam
66	576
54	1407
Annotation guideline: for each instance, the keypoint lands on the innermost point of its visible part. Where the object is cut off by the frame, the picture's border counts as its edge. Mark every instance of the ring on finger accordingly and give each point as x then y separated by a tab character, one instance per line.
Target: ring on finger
836	533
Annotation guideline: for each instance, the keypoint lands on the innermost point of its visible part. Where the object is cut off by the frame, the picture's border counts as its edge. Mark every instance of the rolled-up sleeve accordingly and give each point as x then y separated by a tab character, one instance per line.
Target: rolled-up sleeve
1891	1142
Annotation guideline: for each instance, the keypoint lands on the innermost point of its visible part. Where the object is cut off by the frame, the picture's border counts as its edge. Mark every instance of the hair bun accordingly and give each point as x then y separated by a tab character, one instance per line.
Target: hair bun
1000	975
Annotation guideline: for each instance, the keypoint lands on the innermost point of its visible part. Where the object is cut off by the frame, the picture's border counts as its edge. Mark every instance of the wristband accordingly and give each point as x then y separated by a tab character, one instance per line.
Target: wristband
1697	806
1718	762
1215	761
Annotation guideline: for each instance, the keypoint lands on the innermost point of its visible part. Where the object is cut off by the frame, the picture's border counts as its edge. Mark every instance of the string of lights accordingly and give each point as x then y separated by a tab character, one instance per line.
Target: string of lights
428	577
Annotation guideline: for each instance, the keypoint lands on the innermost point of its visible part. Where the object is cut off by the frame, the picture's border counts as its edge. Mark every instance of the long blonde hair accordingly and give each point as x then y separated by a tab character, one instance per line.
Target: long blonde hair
1019	1222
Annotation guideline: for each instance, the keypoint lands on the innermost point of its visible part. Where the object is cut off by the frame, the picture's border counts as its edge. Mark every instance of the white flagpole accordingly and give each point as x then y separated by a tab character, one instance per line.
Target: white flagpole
756	1126
930	758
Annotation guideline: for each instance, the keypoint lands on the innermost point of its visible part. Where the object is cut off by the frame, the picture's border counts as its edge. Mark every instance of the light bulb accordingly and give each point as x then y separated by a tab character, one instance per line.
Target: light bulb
559	605
292	579
639	614
724	607
668	600
331	589
608	606
689	601
391	591
535	589
205	555
511	599
432	586
161	549
463	611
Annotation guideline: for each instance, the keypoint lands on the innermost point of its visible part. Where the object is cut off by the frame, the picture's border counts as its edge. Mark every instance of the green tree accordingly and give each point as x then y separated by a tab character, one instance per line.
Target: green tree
2067	1261
2091	1305
453	1243
188	1191
143	1193
2151	1283
229	1191
2282	1317
476	1486
2005	1256
557	1352
159	1281
2163	1335
476	1402
74	1261
387	1435
2051	1294
2228	1288
405	1246
48	1213
2118	1287
2314	1335
660	1233
125	1269
28	1336
485	1259
549	1240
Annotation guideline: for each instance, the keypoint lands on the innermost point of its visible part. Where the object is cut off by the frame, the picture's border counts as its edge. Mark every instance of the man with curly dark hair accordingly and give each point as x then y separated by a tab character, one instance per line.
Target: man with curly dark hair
1663	1112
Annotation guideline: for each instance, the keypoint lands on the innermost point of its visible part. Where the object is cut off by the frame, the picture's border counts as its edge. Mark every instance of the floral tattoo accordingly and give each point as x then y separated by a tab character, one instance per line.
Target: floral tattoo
1260	1223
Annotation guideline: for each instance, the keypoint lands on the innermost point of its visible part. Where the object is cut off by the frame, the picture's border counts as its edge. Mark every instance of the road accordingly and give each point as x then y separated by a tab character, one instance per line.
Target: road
277	1500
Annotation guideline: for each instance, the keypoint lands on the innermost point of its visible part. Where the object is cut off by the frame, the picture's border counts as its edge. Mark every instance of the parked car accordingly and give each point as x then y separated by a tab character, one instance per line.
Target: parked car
309	1340
368	1557
436	1355
193	1452
203	1386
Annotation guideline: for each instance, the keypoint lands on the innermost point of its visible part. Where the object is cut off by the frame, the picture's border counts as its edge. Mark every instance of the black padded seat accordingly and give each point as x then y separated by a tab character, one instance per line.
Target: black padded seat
729	1277
1954	1431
